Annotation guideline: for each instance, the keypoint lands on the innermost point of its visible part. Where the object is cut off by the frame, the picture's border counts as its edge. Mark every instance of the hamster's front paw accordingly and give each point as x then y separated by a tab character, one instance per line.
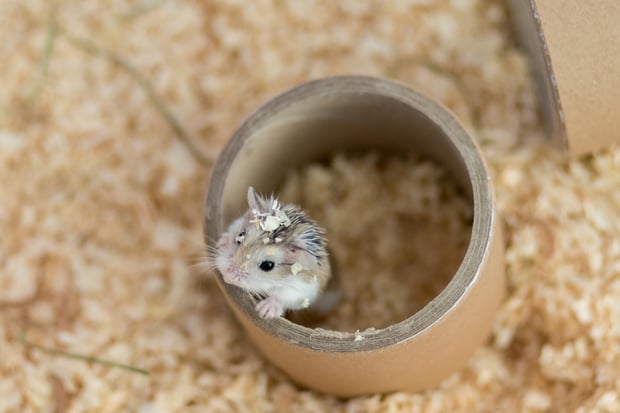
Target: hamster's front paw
270	307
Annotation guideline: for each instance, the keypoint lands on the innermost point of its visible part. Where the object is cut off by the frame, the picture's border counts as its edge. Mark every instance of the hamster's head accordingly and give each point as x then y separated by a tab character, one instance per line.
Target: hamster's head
263	248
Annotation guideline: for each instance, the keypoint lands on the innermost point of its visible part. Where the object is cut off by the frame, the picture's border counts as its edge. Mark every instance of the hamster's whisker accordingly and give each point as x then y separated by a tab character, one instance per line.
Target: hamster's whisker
204	264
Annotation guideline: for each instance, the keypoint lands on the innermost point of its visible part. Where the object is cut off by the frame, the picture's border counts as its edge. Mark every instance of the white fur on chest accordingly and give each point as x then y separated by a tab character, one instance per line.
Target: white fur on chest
292	292
297	293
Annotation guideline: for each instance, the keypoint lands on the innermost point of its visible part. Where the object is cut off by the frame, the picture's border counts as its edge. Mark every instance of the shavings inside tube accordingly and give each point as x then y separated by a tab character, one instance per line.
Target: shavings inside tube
397	229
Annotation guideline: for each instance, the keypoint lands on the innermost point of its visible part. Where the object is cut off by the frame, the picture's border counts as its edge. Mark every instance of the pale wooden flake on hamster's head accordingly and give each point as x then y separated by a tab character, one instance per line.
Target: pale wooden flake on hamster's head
283	218
271	219
269	223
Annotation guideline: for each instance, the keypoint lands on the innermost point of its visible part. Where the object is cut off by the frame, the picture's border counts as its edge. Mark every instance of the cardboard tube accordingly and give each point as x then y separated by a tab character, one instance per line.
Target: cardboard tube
574	50
312	122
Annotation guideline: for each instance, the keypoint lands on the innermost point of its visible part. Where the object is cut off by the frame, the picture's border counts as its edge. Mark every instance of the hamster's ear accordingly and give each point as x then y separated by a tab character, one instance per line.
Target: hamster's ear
255	201
304	249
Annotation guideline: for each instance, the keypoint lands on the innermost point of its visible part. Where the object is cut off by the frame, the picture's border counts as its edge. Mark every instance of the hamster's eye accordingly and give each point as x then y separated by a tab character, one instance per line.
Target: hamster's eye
239	238
267	266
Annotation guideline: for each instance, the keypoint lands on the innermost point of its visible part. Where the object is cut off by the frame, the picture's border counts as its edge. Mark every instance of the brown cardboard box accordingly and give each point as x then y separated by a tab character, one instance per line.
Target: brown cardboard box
574	47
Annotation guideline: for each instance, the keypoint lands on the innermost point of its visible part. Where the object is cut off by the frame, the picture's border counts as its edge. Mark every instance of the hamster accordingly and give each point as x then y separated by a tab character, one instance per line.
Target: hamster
277	253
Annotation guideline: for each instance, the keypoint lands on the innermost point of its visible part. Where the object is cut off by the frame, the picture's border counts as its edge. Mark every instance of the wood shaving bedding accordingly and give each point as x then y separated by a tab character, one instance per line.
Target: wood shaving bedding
101	203
400	249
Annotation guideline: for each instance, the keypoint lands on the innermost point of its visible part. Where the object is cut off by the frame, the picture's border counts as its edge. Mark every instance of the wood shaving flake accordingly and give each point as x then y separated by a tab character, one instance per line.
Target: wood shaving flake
358	336
608	402
283	218
270	223
537	401
296	268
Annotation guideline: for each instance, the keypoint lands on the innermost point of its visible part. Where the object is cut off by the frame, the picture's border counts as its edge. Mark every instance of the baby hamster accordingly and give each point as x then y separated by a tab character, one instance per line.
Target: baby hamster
276	252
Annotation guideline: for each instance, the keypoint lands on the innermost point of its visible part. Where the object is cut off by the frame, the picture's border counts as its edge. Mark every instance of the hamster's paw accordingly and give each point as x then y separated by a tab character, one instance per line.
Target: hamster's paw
270	307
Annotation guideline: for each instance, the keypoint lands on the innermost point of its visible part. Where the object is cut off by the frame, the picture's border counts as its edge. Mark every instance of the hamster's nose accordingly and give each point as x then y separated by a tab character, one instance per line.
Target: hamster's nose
236	270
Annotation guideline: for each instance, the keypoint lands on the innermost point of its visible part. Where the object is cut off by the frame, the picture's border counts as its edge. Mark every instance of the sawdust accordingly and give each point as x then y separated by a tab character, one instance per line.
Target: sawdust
101	203
398	251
